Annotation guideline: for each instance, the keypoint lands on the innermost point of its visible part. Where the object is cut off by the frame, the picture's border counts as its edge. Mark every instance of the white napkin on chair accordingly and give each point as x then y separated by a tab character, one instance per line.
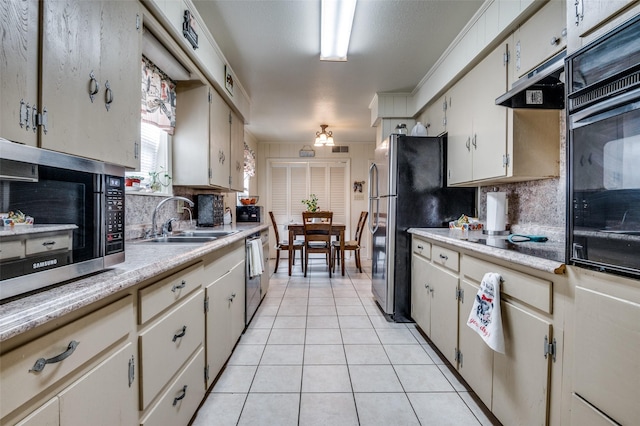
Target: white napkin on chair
486	317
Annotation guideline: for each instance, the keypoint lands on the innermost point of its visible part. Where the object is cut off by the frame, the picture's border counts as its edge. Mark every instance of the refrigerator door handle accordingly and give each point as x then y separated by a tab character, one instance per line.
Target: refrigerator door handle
373	177
373	229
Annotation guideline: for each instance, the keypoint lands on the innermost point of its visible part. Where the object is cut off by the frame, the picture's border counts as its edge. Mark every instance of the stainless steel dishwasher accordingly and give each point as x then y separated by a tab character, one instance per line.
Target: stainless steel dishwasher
253	284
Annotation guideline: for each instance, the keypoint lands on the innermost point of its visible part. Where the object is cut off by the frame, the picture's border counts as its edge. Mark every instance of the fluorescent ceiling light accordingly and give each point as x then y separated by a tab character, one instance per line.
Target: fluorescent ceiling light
335	29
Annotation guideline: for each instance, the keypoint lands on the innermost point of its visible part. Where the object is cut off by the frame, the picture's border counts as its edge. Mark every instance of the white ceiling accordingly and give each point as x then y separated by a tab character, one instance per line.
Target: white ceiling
273	47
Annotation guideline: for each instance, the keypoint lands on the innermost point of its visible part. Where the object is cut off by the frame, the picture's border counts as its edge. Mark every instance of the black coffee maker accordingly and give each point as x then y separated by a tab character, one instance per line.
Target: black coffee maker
210	209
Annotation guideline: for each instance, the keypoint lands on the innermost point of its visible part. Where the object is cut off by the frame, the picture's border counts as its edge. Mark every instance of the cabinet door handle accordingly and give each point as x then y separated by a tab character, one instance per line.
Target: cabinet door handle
94	86
426	286
181	397
181	334
24	114
108	95
444	257
179	286
42	362
230	298
468	144
34	118
475	141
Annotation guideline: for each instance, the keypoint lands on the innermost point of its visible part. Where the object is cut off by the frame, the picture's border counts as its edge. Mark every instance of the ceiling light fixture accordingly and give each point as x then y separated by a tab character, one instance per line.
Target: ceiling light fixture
335	28
324	137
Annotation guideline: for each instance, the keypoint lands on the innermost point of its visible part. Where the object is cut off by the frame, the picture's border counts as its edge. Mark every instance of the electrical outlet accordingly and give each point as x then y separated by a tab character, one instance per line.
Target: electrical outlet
180	207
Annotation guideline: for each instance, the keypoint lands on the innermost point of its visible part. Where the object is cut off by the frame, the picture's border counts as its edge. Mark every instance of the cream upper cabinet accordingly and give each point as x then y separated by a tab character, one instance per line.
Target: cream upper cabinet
588	19
90	95
19	25
539	38
488	143
476	127
435	116
236	182
202	148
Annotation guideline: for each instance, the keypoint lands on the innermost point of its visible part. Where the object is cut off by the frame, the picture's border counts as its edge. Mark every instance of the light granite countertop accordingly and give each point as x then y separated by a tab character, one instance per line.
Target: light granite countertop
547	256
143	261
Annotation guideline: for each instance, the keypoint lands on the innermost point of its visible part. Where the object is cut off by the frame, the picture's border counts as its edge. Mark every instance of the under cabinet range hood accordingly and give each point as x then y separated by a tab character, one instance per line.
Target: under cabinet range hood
542	88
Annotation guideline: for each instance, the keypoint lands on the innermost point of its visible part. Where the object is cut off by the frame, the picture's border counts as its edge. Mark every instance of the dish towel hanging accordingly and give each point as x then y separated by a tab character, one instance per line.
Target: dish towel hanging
485	317
255	258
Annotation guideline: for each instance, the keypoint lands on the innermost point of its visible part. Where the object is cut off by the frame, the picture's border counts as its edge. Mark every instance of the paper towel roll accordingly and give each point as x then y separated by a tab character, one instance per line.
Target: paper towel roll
496	211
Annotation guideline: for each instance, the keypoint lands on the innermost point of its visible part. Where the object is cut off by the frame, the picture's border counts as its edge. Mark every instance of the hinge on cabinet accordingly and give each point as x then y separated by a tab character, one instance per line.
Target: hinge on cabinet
518	55
229	118
209	97
229	180
460	294
457	356
132	370
206	373
206	304
444	121
42	120
549	348
505	160
137	21
444	105
506	57
210	173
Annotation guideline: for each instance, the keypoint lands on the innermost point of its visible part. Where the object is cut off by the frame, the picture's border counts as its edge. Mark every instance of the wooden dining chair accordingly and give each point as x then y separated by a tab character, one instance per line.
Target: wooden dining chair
284	245
317	236
351	245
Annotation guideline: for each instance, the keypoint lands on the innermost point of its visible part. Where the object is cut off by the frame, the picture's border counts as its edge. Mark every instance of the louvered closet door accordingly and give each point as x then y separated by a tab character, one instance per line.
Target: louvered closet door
292	182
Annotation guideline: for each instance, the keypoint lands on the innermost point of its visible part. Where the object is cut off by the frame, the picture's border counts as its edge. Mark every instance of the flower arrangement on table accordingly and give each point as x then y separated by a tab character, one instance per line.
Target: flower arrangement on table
311	203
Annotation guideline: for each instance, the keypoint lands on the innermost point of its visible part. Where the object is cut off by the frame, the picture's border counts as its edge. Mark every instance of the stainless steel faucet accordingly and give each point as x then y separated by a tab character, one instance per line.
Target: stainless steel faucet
155	212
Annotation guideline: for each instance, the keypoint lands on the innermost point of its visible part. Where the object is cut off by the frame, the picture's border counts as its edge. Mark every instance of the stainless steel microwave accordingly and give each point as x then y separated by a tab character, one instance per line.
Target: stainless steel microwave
62	217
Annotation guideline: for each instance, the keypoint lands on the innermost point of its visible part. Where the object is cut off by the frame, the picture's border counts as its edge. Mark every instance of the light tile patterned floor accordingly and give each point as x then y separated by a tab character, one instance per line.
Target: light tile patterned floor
319	352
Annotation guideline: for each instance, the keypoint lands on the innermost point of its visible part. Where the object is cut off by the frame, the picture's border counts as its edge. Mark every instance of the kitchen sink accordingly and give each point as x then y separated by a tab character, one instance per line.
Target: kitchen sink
181	239
195	233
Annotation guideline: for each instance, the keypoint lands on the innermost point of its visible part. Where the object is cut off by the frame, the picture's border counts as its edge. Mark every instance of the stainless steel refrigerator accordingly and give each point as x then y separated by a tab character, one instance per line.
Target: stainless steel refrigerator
407	189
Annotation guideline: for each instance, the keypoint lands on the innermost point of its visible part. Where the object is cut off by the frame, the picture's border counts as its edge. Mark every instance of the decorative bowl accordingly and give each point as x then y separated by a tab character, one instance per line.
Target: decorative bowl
250	200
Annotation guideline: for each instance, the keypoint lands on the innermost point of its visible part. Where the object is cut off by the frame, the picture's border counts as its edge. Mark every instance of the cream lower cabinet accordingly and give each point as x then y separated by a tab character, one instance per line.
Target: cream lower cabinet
516	385
87	374
226	306
606	371
434	296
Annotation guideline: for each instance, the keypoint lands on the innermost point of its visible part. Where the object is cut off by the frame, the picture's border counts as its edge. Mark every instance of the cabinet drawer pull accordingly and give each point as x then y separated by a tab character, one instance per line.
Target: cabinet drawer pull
179	286
49	244
444	257
181	397
94	87
181	334
420	247
42	362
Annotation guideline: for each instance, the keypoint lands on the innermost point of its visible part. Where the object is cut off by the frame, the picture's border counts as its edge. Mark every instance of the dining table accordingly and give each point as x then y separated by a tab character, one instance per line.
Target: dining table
337	229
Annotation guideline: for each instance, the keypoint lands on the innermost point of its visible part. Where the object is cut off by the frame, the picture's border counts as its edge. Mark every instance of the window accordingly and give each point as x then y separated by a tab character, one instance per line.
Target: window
154	161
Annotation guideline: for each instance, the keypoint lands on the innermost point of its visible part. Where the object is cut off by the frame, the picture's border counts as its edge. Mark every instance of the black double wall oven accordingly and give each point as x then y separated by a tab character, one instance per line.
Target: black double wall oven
603	118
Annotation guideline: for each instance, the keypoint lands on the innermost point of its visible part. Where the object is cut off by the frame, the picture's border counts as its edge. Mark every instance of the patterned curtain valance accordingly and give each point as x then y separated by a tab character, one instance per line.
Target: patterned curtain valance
249	161
158	97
